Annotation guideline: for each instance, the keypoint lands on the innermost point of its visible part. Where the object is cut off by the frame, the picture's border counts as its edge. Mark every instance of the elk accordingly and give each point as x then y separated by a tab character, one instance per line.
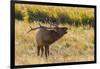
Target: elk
46	36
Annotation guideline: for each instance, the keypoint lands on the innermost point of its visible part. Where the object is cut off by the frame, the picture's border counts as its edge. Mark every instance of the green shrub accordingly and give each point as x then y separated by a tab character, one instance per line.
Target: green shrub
18	15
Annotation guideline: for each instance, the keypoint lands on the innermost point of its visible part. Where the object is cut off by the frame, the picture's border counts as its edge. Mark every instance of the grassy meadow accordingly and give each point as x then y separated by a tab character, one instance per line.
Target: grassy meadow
75	46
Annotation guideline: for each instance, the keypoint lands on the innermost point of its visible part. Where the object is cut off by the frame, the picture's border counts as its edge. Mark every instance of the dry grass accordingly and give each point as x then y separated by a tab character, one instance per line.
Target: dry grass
76	46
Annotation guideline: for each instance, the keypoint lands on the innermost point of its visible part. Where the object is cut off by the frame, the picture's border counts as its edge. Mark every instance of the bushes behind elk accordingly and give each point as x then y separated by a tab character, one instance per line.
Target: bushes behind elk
65	15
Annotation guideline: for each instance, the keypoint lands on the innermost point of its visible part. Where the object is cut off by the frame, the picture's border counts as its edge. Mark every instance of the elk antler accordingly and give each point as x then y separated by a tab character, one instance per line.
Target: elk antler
32	29
43	27
39	24
55	25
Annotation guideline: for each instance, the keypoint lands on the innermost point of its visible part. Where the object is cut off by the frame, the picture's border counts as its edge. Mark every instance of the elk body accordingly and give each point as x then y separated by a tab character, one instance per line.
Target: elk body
45	36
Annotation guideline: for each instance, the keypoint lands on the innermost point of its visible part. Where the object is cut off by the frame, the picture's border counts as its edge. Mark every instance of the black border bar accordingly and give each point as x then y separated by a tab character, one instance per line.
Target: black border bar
12	33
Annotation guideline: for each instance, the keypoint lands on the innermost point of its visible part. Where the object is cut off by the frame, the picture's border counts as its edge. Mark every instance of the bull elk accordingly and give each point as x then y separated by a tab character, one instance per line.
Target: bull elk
45	36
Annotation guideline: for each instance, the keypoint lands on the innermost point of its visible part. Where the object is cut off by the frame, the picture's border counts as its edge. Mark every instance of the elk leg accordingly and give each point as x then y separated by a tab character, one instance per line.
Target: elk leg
42	50
38	50
46	51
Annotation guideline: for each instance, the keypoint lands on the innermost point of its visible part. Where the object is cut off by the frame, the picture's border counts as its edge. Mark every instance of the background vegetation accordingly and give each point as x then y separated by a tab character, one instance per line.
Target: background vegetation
75	46
64	15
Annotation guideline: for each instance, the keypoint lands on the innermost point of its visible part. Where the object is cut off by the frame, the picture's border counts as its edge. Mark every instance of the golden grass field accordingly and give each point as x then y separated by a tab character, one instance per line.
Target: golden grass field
75	46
